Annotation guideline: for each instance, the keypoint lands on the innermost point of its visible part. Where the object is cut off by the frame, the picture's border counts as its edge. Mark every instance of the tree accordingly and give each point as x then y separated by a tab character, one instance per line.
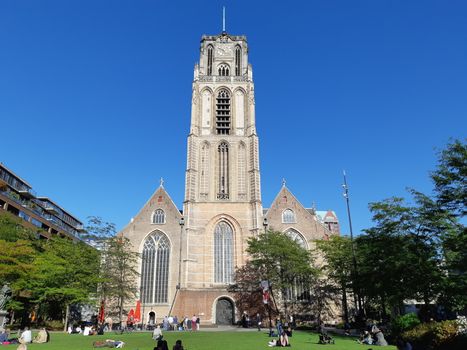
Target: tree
450	194
65	273
397	257
18	250
118	271
450	178
281	261
337	252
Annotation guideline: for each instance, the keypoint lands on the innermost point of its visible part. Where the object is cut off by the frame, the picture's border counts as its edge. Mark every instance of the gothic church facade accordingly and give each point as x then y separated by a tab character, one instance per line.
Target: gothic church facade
188	256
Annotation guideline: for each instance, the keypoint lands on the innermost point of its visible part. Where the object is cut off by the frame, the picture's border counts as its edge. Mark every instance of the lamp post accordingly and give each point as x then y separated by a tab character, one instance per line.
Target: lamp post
182	224
357	300
265	224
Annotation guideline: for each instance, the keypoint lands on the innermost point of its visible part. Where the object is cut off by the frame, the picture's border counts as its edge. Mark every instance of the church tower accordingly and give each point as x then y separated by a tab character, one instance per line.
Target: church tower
222	206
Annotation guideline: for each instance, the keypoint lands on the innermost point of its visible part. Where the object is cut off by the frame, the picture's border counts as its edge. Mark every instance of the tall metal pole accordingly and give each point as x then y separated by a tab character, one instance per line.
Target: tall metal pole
357	300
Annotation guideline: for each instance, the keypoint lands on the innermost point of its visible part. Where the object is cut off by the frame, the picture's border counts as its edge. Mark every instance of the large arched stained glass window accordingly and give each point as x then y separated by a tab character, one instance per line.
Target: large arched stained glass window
155	269
297	237
223	253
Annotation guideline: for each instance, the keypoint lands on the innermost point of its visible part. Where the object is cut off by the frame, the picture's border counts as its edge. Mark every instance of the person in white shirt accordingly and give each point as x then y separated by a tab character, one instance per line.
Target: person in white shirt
87	330
26	336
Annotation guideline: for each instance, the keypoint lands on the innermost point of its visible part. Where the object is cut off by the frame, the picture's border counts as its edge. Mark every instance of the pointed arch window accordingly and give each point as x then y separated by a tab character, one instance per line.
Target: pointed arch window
297	237
288	217
158	217
223	171
223	111
223	70
238	61
223	253
241	171
155	269
210	59
204	175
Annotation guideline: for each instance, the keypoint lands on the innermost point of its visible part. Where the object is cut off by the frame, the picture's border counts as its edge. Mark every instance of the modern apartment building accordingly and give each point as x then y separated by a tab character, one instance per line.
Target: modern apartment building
40	213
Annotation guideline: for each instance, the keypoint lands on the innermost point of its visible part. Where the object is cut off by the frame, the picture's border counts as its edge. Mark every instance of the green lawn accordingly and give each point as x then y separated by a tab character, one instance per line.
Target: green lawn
197	341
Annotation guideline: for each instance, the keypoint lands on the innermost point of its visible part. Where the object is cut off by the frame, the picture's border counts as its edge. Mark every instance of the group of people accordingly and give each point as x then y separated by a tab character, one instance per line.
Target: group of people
284	332
372	336
173	323
24	338
86	330
162	345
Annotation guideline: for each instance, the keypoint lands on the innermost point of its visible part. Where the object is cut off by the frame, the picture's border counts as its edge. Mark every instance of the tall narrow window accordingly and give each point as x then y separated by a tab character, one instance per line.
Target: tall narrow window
223	171
241	171
155	269
238	61
210	59
223	253
204	176
158	217
223	112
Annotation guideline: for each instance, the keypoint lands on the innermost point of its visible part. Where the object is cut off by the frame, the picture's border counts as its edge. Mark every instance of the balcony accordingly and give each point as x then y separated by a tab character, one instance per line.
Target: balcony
27	193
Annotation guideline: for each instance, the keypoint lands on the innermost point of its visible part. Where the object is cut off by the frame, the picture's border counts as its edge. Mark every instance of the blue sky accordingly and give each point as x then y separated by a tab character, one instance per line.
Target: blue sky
95	96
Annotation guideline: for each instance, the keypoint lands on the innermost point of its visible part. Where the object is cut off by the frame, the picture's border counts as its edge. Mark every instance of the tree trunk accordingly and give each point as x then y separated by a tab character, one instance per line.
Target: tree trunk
344	305
120	316
67	315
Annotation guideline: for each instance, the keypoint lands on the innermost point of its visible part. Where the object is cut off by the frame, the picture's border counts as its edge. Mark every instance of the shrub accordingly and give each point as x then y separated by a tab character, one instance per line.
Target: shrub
54	325
405	323
433	336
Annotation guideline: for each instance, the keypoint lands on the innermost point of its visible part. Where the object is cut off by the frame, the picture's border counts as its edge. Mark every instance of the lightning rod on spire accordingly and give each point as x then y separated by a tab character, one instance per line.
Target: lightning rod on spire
223	18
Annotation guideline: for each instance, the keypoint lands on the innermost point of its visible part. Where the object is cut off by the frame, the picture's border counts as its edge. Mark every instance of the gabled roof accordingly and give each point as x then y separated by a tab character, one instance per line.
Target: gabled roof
158	193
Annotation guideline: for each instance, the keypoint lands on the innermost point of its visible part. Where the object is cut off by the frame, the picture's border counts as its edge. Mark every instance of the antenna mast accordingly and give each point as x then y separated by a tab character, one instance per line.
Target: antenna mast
223	18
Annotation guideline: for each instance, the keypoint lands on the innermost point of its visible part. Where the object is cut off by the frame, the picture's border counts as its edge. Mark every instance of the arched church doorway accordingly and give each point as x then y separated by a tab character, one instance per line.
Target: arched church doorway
224	312
152	318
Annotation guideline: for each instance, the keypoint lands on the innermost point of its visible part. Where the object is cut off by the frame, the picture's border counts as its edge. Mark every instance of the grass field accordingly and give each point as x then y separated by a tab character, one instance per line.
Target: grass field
207	340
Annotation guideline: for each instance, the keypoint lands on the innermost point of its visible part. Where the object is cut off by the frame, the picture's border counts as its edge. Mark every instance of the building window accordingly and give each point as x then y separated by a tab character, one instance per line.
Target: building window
223	171
238	61
210	59
158	217
297	237
204	175
223	253
223	112
223	70
288	217
241	171
155	269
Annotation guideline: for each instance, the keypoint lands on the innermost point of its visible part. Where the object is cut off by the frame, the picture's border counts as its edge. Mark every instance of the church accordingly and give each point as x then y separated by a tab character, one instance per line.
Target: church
188	257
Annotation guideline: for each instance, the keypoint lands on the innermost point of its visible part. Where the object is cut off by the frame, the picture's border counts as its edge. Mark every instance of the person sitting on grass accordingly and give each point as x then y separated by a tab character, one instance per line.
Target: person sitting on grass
162	345
178	345
41	337
365	338
282	341
26	336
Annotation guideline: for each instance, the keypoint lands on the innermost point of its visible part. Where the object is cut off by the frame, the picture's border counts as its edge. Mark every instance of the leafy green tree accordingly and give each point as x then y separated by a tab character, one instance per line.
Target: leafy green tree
18	250
65	273
337	253
450	194
281	260
397	257
118	271
450	178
